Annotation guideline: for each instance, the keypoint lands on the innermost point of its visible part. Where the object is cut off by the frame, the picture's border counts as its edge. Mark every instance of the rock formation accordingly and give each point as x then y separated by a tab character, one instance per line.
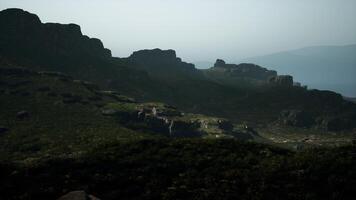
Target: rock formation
282	80
50	40
244	70
163	64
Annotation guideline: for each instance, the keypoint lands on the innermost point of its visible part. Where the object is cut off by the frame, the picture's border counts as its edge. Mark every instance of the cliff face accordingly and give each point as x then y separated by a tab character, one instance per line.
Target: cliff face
22	33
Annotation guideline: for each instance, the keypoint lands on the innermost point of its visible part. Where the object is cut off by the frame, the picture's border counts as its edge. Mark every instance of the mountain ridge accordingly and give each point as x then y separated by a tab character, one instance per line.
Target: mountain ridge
317	66
159	75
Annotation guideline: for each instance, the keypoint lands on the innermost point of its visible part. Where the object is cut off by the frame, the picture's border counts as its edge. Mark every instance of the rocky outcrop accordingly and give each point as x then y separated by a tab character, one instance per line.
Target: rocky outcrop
166	119
50	40
220	63
282	80
78	195
297	118
163	64
244	70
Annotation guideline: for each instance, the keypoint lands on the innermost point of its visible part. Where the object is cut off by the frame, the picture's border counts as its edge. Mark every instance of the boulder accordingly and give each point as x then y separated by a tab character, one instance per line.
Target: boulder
22	115
297	118
78	195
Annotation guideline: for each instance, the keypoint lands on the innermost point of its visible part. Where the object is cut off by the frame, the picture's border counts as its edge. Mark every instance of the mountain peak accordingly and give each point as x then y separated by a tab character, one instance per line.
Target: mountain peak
16	16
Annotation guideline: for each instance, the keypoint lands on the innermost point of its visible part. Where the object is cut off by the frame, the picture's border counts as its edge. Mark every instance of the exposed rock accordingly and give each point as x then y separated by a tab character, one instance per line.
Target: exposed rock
58	39
164	64
297	118
22	115
78	195
282	80
220	63
244	70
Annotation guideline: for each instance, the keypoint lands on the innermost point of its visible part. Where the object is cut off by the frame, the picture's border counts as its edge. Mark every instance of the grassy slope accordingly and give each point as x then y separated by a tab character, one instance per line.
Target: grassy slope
64	116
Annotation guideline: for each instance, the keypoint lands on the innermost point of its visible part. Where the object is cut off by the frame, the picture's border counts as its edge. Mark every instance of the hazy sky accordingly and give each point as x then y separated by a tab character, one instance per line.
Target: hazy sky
203	30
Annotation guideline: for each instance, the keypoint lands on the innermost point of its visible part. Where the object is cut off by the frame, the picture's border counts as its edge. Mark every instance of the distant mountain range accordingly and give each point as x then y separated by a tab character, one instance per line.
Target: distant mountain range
322	67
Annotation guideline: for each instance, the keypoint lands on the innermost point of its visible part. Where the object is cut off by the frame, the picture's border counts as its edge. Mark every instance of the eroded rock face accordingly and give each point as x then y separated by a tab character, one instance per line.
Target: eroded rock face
297	118
282	80
244	70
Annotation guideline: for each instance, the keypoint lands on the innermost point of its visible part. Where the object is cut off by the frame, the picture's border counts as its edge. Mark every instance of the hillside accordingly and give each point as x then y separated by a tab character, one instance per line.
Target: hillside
160	76
318	67
77	123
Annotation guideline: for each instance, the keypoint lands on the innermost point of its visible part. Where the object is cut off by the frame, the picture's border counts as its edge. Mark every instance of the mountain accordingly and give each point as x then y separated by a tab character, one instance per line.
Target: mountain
322	67
159	75
25	41
70	127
